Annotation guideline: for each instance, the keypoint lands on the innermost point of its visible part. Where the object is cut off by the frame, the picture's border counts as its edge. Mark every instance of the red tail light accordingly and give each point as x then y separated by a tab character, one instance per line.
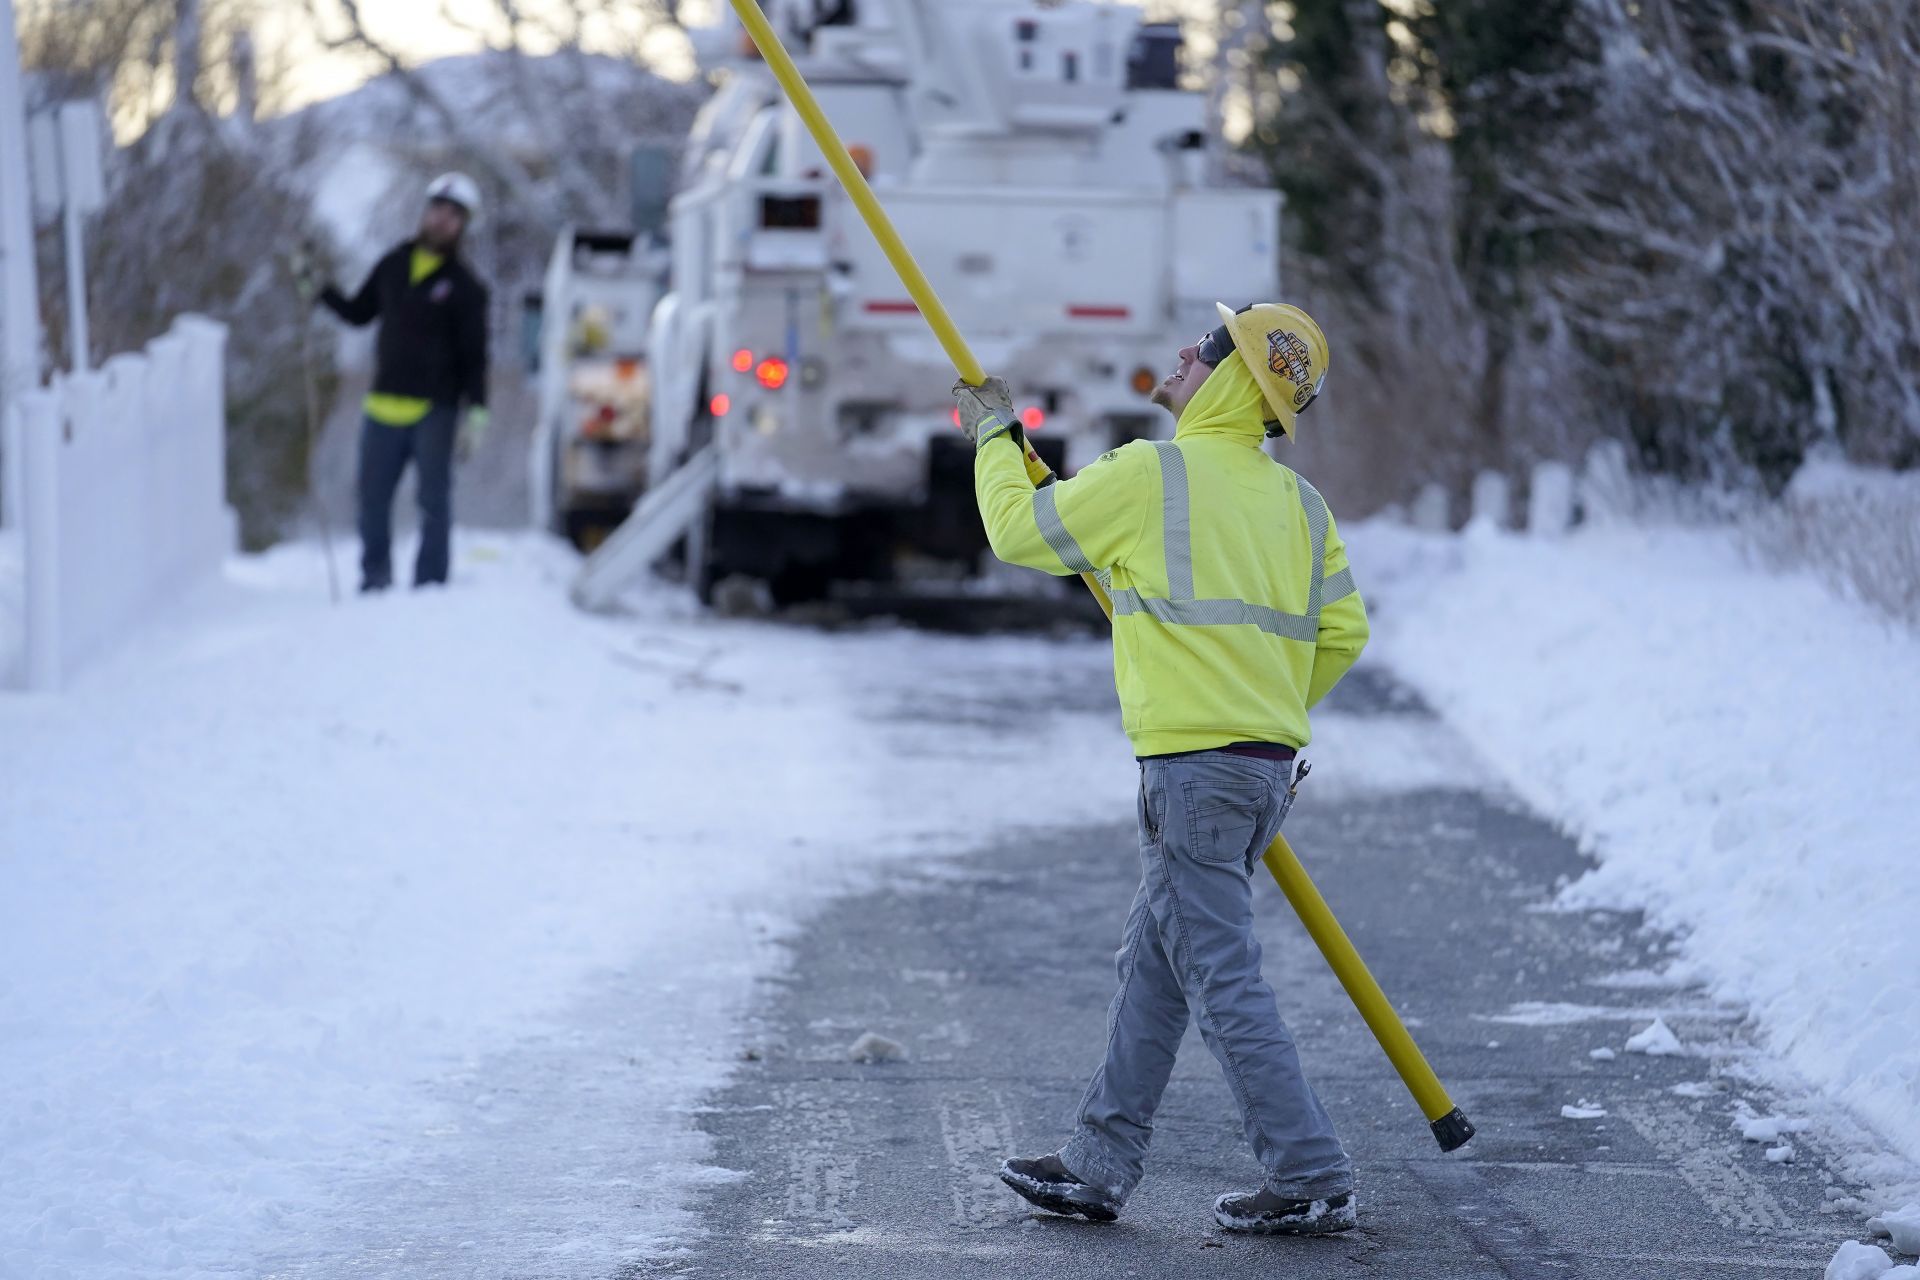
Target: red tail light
1033	417
772	373
742	360
719	405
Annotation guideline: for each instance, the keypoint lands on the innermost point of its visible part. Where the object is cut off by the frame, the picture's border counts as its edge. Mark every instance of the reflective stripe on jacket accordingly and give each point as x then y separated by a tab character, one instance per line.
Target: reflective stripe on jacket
1234	607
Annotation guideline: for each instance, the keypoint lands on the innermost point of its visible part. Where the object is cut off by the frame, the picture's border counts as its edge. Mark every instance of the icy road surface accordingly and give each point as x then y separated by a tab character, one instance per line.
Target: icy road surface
994	972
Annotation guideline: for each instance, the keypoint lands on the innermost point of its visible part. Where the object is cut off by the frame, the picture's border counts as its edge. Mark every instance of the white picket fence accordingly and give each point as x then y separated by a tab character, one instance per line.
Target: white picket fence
123	475
1601	488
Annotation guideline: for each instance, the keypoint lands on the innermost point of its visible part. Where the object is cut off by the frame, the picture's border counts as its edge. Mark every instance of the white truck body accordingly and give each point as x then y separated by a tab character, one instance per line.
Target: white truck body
590	452
1052	183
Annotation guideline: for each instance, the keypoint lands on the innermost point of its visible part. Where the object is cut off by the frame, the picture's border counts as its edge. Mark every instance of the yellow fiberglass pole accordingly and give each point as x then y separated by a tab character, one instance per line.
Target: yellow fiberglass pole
1450	1127
808	107
932	310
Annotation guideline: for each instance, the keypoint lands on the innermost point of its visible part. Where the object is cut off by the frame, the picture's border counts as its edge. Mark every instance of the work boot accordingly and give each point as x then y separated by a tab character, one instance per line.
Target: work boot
1047	1183
1267	1214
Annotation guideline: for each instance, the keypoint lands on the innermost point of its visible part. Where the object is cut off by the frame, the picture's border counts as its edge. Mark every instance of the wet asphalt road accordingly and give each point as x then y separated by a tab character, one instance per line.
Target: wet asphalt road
995	971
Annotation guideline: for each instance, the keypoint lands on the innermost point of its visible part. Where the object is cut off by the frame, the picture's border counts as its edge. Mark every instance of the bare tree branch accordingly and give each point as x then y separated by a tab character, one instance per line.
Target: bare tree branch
496	160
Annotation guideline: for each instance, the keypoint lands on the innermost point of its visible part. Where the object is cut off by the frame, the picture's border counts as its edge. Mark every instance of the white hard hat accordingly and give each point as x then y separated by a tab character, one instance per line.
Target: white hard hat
457	188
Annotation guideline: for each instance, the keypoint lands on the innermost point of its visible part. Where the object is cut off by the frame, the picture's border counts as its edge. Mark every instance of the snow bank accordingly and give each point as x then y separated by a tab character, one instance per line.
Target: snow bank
1856	1261
1901	1225
1735	747
1856	528
278	868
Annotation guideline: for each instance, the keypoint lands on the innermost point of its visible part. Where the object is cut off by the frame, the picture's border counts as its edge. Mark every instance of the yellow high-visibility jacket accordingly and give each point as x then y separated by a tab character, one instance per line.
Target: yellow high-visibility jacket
1234	607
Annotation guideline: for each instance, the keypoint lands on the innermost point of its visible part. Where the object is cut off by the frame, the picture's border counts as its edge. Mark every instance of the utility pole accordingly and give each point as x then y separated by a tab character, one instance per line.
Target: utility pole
19	291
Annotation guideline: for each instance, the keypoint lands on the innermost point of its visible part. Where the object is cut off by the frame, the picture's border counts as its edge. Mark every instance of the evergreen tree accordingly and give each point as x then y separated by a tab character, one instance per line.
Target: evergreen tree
1679	220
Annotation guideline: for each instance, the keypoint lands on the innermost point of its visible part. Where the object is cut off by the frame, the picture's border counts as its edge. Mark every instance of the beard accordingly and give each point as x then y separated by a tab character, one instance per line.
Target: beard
439	241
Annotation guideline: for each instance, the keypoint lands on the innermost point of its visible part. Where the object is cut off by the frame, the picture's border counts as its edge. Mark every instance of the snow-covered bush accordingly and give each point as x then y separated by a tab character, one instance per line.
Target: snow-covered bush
1723	226
1857	529
1537	223
218	186
196	222
197	219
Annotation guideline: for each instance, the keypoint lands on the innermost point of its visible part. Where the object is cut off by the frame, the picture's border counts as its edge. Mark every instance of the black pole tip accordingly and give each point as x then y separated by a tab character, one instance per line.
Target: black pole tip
1452	1130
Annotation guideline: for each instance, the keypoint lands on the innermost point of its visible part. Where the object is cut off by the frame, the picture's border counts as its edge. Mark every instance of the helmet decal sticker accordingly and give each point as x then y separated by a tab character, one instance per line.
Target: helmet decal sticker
1289	356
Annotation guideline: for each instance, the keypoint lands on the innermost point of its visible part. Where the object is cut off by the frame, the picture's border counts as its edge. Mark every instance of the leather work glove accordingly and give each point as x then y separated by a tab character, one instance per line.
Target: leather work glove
473	432
307	278
986	411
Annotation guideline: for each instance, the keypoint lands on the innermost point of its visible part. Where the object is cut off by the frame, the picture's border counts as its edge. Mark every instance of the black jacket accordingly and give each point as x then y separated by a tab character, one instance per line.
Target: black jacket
433	335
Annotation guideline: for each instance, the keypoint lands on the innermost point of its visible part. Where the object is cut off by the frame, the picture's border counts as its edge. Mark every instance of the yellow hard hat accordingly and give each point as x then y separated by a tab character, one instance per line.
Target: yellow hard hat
1286	352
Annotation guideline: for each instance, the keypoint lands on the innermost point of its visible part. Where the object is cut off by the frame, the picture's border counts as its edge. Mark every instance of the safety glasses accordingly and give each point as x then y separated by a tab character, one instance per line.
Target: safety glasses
1214	347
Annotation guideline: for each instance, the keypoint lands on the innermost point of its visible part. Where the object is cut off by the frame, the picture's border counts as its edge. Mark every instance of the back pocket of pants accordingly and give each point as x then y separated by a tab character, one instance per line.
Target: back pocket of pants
1223	818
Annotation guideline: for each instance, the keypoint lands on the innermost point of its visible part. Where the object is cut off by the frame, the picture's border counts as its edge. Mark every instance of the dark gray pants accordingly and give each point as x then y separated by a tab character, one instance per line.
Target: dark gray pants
384	454
1189	951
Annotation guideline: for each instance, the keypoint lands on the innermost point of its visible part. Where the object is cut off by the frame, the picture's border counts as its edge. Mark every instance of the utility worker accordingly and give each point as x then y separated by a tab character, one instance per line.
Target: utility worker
1234	612
430	362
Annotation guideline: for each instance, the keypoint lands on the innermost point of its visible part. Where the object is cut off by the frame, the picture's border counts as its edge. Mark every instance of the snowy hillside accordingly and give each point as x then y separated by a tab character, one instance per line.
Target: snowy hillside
471	86
361	156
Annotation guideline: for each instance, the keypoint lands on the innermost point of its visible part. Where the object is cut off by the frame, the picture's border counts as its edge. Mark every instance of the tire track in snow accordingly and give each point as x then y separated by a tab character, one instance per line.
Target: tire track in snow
977	1134
822	1172
1702	1159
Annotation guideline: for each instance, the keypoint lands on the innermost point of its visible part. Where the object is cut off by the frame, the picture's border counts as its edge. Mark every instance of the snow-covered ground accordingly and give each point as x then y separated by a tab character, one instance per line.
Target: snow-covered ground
453	903
1735	746
310	906
280	877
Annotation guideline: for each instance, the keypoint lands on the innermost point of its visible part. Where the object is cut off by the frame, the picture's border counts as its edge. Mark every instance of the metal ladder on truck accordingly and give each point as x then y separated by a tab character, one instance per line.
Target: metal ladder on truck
670	510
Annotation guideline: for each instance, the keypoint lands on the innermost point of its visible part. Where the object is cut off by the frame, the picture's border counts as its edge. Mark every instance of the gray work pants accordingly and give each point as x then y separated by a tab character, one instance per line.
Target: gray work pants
1189	947
384	454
